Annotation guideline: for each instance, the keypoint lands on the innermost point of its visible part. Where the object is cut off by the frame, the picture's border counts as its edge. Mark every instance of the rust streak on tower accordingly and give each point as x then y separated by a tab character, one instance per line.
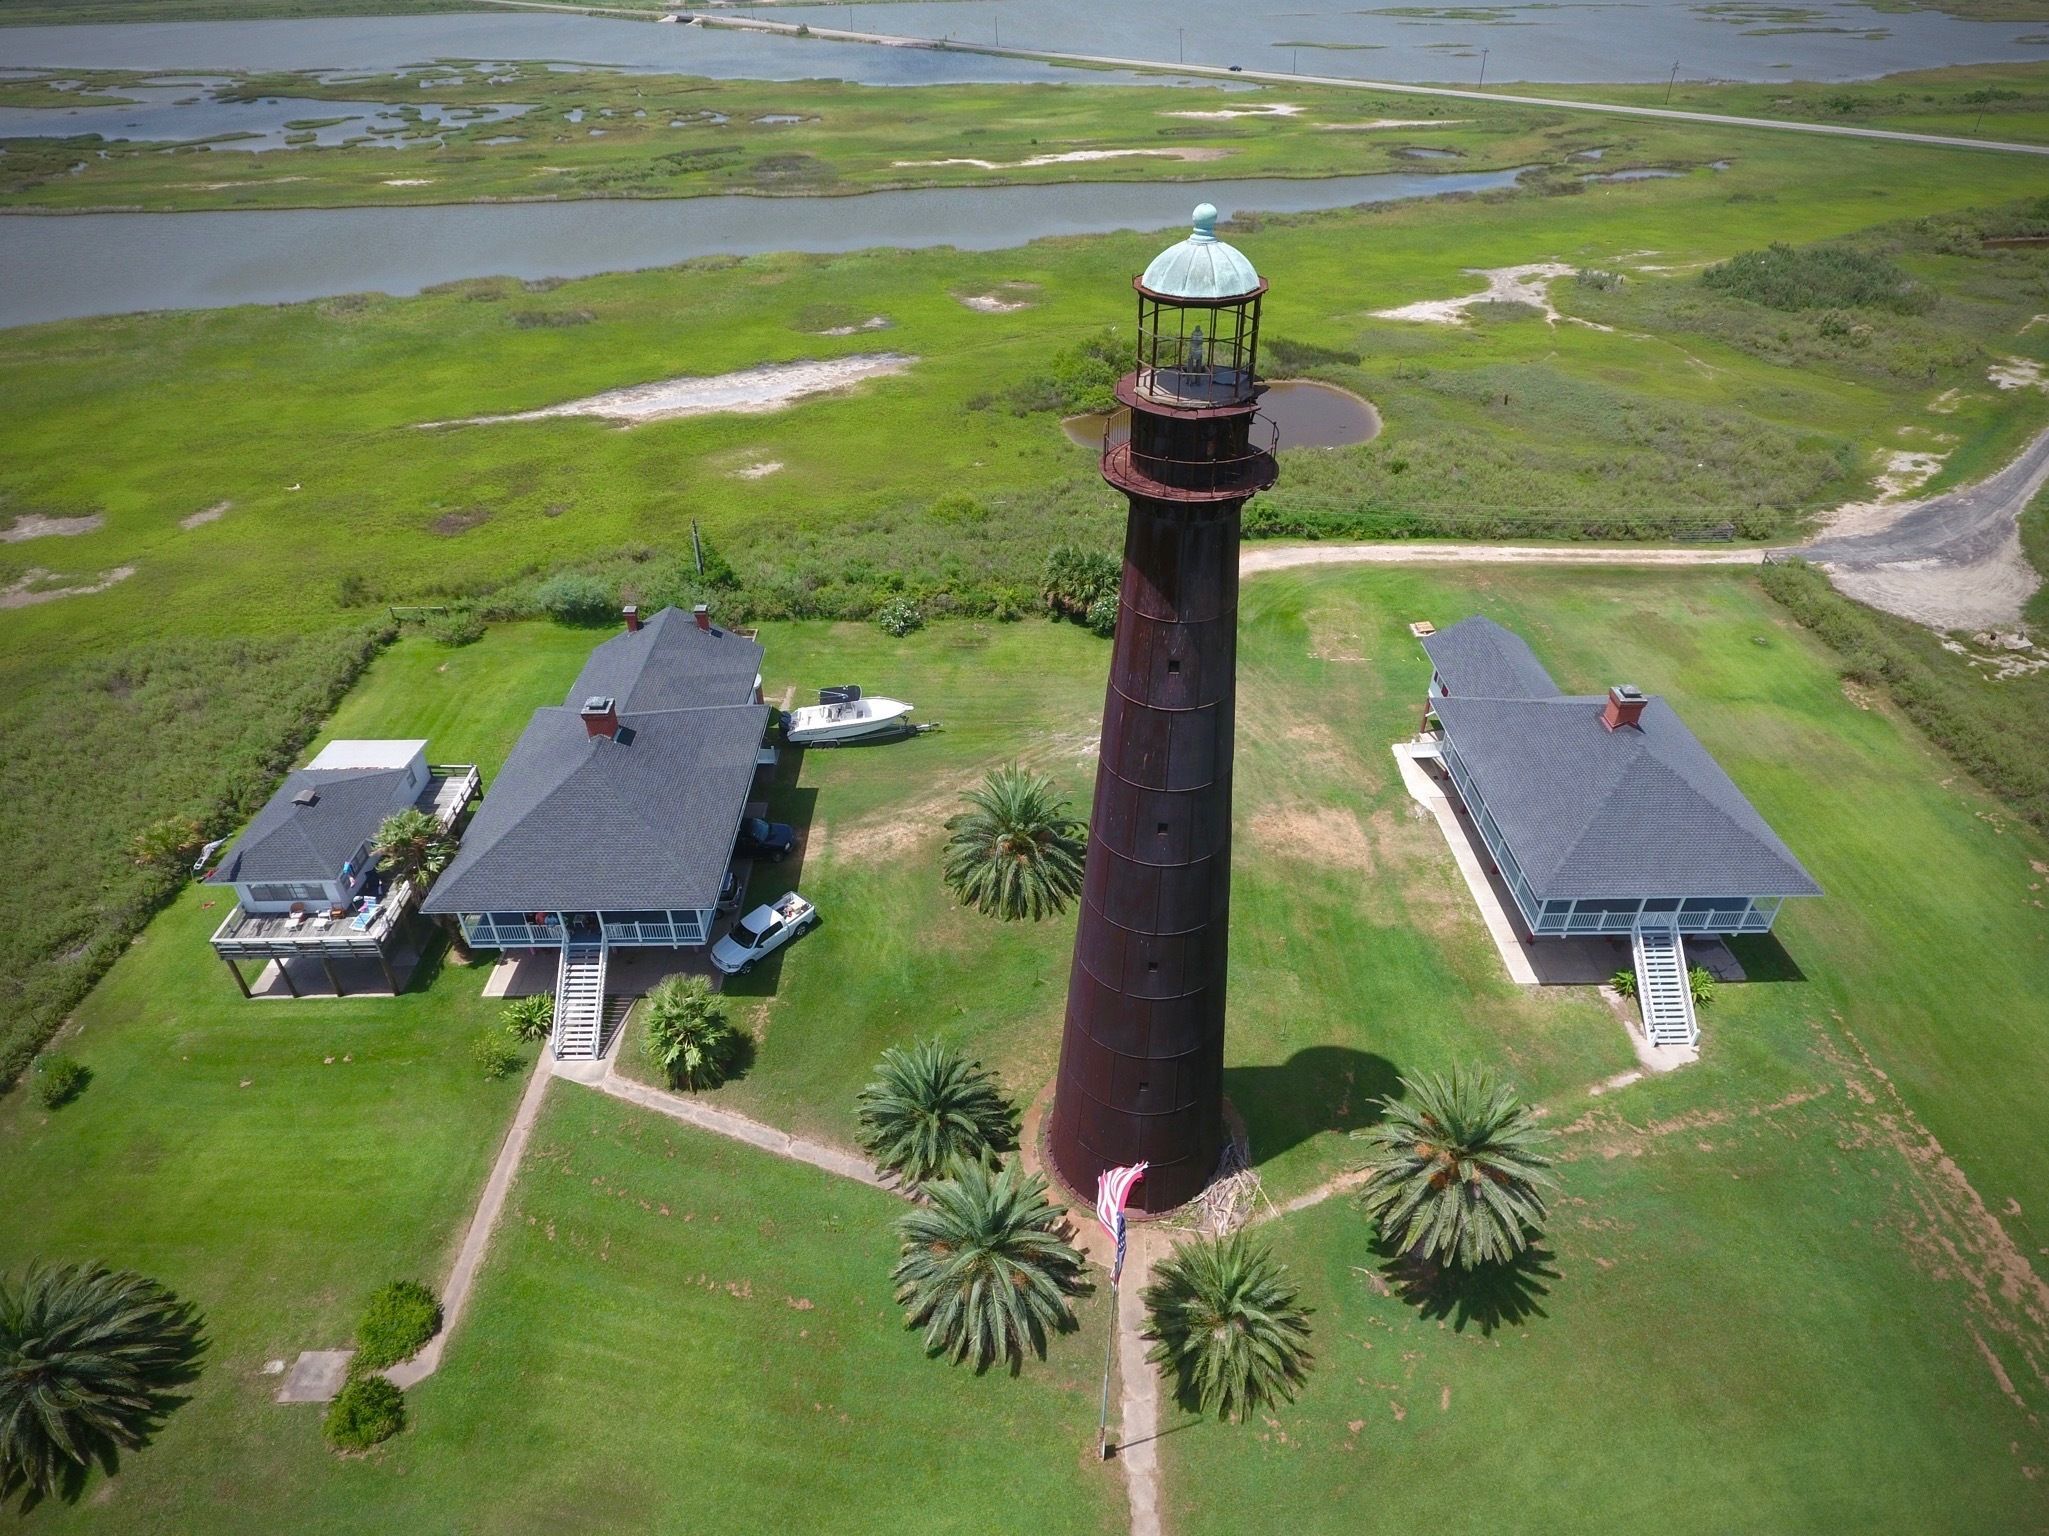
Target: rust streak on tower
1142	1053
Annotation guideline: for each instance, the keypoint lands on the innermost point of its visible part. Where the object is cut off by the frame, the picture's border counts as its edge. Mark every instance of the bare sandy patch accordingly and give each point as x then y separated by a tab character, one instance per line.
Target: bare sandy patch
872	323
1321	834
993	304
1944	595
1529	284
1069	157
751	391
1395	122
205	515
1277	109
2017	373
1945	404
758	471
411	181
33	525
28	591
1901	473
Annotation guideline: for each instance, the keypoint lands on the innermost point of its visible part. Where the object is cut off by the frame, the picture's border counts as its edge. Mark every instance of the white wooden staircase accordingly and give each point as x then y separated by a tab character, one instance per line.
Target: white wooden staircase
1662	990
580	1002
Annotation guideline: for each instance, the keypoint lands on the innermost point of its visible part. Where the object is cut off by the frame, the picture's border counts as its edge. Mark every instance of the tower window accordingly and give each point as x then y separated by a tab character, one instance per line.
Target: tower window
1152	967
1174	665
1163	829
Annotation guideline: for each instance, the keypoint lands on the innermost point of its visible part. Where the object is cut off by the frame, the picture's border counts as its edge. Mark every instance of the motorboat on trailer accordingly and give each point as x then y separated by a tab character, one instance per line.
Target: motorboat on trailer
844	715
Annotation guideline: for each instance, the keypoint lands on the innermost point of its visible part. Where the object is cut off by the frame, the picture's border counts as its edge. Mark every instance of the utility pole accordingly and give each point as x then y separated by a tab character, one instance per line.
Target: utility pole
1671	82
1483	68
1296	64
1181	43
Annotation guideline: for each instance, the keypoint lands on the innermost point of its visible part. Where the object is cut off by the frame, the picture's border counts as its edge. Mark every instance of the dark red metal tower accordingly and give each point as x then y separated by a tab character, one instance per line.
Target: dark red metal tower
1142	1053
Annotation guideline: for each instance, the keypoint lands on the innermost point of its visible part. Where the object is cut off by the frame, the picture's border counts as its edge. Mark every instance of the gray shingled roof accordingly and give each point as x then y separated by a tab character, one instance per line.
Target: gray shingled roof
1480	659
670	664
288	841
576	823
1634	812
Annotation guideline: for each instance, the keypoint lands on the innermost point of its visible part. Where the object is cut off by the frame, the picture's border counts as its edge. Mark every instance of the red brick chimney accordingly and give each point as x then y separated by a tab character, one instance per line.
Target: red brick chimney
601	716
702	613
1624	707
632	612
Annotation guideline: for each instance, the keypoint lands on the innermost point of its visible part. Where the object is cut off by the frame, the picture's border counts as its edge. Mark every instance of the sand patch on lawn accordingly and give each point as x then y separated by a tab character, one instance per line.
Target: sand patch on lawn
411	181
758	471
1901	472
2017	373
1070	157
200	519
1529	284
751	391
990	304
27	592
1395	122
1278	109
872	323
33	525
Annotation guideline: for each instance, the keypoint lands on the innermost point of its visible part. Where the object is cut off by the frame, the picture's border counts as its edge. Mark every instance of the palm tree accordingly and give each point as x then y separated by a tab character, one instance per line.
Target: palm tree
410	846
986	1267
930	1107
1455	1174
1015	851
86	1354
687	1035
1228	1325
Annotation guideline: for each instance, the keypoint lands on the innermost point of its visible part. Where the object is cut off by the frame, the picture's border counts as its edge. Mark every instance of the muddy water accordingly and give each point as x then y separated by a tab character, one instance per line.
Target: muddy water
1305	414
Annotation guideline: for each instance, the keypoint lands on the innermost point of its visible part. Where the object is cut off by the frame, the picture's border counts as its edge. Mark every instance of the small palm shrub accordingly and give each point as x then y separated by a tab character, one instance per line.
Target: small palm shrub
1227	1324
530	1018
87	1354
397	1321
367	1409
688	1038
1015	852
930	1107
899	617
1700	981
1624	982
60	1079
495	1055
1076	579
166	844
986	1268
411	846
1454	1172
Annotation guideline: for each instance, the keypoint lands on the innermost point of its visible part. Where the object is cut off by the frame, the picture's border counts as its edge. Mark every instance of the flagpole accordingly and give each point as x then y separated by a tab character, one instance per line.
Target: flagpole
1109	1345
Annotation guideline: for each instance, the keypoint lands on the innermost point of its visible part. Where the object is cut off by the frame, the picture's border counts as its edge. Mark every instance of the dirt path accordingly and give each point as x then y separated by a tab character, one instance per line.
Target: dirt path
1271	557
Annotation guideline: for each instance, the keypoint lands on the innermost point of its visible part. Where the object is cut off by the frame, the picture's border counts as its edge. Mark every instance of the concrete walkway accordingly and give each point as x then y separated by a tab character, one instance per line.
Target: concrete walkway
455	1299
1138	1399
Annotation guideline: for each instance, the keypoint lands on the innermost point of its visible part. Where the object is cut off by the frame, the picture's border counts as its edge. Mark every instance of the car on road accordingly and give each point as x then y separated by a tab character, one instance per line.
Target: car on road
760	839
762	932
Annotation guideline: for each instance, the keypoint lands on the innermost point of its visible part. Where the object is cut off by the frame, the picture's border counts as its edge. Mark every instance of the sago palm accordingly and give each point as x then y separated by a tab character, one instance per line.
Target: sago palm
410	846
930	1107
687	1036
986	1268
1455	1173
86	1354
1227	1324
1015	852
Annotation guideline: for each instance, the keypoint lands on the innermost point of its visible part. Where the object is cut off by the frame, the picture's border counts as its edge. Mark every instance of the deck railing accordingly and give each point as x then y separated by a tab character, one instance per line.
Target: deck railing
270	934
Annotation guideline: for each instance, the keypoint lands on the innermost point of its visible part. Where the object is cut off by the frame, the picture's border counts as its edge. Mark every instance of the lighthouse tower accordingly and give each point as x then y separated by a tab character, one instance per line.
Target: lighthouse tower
1142	1052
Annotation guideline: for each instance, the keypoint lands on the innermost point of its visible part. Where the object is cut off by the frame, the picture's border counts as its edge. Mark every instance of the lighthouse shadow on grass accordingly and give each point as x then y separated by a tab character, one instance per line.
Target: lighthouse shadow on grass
1318	1090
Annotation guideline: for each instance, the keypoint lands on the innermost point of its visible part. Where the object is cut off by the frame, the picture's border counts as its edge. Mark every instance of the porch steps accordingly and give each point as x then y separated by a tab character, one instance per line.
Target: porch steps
1662	991
580	1002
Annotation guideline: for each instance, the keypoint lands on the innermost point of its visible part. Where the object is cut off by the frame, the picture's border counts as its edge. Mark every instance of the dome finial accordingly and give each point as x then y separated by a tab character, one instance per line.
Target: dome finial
1205	222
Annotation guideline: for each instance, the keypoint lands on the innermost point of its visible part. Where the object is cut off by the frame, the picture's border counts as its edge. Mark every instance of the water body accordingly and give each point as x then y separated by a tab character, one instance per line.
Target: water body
174	114
1530	40
112	263
1305	413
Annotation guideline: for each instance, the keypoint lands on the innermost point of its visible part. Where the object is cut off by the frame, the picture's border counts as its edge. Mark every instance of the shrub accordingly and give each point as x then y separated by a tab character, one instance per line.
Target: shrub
1624	982
530	1018
495	1054
59	1079
1101	618
1818	277
929	1108
1700	981
166	844
1076	579
1228	1325
369	1409
397	1321
576	599
457	627
899	617
688	1038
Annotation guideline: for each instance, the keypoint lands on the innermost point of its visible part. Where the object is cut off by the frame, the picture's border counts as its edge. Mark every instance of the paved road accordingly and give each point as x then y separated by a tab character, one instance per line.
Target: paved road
1962	527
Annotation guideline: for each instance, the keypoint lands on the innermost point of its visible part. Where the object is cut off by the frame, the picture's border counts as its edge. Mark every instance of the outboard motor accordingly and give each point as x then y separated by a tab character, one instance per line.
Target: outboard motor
846	693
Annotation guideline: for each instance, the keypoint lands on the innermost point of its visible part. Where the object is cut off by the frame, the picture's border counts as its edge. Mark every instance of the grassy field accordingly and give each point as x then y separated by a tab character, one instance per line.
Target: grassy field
1727	1240
612	134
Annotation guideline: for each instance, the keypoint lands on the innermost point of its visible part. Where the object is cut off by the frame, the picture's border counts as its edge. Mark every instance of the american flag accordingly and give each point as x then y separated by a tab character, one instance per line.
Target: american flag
1113	1188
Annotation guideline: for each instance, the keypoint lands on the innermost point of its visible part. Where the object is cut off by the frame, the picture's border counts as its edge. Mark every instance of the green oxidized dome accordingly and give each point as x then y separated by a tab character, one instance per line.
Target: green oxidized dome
1202	266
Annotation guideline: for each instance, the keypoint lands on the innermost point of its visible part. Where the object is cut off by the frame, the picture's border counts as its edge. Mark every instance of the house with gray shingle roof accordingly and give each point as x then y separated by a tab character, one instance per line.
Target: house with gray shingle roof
1603	813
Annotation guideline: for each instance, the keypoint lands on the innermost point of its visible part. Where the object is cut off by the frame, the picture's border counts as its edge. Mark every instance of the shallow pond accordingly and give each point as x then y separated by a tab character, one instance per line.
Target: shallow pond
1305	414
112	263
180	113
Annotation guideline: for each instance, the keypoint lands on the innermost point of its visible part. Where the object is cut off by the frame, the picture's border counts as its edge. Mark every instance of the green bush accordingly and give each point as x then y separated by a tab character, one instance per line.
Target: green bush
573	598
1700	981
59	1079
530	1018
495	1054
369	1409
1819	277
899	617
457	627
397	1321
1102	615
166	844
687	1036
1075	580
1624	982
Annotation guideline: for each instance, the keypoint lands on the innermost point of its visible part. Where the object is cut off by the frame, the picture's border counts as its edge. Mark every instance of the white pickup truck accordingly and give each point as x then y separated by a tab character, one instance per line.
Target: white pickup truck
763	931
